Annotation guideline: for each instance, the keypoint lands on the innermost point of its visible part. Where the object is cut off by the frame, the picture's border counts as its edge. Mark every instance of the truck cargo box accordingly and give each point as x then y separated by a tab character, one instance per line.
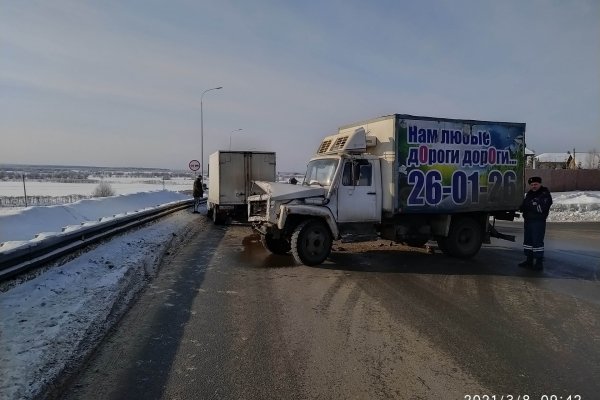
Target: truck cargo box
441	165
231	174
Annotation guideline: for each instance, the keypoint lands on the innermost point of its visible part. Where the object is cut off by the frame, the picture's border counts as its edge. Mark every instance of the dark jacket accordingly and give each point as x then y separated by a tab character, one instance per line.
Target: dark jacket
198	190
536	205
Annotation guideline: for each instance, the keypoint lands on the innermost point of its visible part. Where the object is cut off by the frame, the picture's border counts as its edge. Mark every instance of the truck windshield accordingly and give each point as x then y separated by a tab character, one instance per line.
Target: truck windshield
320	172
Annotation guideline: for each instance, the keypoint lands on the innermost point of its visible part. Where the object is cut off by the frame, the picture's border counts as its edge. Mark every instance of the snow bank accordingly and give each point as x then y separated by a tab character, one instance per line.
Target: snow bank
50	322
575	206
27	222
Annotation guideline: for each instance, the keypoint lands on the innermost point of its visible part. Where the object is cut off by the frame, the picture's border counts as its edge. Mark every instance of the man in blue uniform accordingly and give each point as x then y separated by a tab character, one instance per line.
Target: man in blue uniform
535	209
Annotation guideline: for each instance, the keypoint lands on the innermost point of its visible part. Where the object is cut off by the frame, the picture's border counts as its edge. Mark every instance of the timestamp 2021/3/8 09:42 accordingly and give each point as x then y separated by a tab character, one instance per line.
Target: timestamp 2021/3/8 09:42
522	397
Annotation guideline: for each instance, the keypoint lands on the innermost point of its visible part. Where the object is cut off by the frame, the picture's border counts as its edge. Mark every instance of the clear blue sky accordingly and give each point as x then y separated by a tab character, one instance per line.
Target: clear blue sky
118	83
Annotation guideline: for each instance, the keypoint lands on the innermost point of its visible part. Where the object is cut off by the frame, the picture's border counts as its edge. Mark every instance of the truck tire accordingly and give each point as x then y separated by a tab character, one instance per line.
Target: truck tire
311	242
464	238
275	246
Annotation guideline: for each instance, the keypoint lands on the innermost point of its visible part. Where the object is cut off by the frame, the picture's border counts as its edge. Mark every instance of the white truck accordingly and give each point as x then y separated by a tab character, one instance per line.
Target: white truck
231	174
400	177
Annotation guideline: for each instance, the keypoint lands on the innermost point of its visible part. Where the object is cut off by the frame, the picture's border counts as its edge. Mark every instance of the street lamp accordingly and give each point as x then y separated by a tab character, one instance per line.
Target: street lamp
231	133
202	130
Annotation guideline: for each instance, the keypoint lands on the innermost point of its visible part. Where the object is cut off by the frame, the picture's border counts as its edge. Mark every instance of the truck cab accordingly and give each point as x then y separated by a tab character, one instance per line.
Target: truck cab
340	197
352	183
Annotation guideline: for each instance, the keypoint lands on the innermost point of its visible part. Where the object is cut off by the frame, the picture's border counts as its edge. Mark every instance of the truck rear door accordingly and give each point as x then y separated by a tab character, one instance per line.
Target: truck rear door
259	167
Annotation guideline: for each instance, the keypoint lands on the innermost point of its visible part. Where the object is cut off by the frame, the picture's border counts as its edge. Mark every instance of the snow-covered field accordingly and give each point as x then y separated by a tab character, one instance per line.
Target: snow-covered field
119	185
48	321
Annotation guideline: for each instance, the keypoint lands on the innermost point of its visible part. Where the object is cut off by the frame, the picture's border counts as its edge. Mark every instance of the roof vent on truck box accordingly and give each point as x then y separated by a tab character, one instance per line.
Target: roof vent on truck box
347	142
324	146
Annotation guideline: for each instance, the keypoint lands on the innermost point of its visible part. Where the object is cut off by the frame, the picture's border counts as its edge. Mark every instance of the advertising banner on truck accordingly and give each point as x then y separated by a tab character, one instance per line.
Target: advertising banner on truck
447	166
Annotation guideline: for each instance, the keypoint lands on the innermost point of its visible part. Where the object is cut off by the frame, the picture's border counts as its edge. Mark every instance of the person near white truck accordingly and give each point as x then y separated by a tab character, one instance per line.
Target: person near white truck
400	177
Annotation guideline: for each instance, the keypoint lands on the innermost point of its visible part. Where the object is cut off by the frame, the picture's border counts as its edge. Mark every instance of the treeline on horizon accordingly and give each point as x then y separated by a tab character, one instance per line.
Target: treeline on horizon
68	174
20	201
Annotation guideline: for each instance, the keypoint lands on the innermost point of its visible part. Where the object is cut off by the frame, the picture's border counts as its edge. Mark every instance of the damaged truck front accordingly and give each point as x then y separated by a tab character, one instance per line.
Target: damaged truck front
403	178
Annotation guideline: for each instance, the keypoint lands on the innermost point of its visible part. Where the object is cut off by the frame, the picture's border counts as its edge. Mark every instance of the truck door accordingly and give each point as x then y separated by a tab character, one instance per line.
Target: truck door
260	167
359	196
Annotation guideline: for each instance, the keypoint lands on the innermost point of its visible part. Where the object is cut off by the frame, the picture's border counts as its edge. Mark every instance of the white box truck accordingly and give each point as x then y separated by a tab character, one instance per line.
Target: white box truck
400	177
231	175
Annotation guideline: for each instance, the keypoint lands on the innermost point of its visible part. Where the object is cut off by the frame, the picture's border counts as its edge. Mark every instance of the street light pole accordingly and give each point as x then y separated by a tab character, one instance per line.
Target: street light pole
231	133
202	130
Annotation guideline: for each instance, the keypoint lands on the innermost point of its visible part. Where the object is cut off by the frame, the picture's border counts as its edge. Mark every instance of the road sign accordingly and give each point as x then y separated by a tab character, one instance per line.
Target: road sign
194	165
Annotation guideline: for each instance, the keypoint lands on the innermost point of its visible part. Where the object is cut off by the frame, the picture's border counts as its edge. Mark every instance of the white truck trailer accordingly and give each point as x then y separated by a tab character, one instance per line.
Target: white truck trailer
231	174
400	177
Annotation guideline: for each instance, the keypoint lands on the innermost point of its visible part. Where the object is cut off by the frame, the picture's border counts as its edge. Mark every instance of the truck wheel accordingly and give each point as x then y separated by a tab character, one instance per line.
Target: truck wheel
464	239
311	242
275	246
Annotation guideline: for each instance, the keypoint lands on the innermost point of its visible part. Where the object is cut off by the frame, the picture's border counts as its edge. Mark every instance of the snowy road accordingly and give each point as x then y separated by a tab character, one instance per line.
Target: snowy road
225	319
50	321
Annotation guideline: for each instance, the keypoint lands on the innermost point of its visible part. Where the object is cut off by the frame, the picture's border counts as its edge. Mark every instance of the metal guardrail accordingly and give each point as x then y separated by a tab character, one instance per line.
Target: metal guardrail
53	247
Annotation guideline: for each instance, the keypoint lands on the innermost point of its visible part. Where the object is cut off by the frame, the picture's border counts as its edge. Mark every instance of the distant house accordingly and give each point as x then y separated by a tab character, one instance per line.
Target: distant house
554	161
567	161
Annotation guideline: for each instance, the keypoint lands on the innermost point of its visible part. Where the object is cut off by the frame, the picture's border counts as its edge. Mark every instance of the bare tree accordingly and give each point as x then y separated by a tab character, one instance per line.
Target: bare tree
103	190
593	159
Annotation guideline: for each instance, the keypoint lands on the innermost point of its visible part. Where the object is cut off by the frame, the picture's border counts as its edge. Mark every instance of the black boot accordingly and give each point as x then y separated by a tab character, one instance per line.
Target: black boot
538	265
527	263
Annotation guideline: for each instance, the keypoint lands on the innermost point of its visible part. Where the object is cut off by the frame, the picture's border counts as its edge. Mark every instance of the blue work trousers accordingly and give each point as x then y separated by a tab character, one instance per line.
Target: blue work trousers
533	242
